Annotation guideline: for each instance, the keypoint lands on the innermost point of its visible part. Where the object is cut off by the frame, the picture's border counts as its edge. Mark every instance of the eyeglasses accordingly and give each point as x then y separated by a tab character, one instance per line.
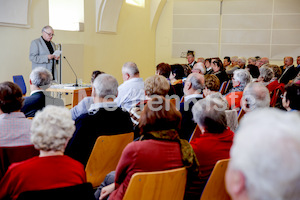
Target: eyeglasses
50	34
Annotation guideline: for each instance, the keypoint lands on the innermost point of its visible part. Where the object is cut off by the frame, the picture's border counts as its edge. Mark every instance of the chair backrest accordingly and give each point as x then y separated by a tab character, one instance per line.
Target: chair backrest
215	186
9	155
223	87
81	192
196	133
19	80
166	185
105	156
227	86
241	113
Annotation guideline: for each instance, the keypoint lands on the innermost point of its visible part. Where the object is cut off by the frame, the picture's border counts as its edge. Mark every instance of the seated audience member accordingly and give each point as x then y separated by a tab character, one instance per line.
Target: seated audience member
212	84
176	76
216	139
40	80
261	61
199	68
251	61
154	85
254	71
191	59
193	87
255	96
234	66
14	127
242	62
290	72
219	70
83	106
264	161
103	118
159	148
209	69
241	78
132	90
226	61
163	69
265	75
51	129
274	81
291	97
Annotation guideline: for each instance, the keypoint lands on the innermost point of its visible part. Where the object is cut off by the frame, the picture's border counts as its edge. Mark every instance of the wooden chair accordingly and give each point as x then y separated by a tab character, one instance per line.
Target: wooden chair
227	87
196	133
9	155
223	87
241	113
215	187
105	156
81	192
166	185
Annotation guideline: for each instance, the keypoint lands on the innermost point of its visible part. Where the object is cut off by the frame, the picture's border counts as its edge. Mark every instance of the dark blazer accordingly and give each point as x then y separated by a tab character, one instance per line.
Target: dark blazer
187	124
33	103
90	126
289	74
222	76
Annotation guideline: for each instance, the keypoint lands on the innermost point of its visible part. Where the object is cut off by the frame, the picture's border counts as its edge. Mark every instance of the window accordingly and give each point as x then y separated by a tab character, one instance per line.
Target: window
66	14
140	3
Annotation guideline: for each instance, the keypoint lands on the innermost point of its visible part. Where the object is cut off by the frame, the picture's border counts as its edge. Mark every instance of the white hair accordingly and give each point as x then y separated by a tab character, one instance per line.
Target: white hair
266	150
130	68
210	113
243	76
256	95
266	73
51	128
47	28
41	77
195	80
200	66
106	86
243	59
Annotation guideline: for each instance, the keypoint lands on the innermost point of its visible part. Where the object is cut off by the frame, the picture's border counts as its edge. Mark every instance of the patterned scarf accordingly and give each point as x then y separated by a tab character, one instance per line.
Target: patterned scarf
189	158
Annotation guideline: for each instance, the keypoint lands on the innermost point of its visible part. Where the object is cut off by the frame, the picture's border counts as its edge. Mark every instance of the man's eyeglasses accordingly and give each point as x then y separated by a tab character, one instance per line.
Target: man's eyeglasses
50	34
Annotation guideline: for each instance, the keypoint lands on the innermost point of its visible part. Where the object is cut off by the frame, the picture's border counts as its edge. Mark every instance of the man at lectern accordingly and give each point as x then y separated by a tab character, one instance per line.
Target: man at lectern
42	52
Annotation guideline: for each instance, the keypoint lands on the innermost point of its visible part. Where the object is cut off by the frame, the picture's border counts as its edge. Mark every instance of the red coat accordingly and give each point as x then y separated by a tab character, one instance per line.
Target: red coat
40	173
209	148
145	156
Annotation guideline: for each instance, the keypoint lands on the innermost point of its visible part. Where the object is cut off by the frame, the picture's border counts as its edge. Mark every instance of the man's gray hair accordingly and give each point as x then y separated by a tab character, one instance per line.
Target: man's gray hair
243	76
130	68
196	82
266	73
46	28
234	58
266	150
106	86
201	67
41	77
256	95
210	110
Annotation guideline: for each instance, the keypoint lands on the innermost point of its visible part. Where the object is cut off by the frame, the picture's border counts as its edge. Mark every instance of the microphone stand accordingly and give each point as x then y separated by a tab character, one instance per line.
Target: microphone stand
76	84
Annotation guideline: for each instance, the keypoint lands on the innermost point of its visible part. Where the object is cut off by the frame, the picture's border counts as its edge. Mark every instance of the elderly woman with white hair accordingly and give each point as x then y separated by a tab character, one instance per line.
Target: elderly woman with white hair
240	79
216	139
50	131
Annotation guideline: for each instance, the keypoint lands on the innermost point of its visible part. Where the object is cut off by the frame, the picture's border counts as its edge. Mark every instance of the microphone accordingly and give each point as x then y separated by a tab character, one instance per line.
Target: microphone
76	84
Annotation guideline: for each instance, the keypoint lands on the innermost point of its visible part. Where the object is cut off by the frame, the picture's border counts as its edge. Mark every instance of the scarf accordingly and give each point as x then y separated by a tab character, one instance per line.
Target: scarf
189	158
